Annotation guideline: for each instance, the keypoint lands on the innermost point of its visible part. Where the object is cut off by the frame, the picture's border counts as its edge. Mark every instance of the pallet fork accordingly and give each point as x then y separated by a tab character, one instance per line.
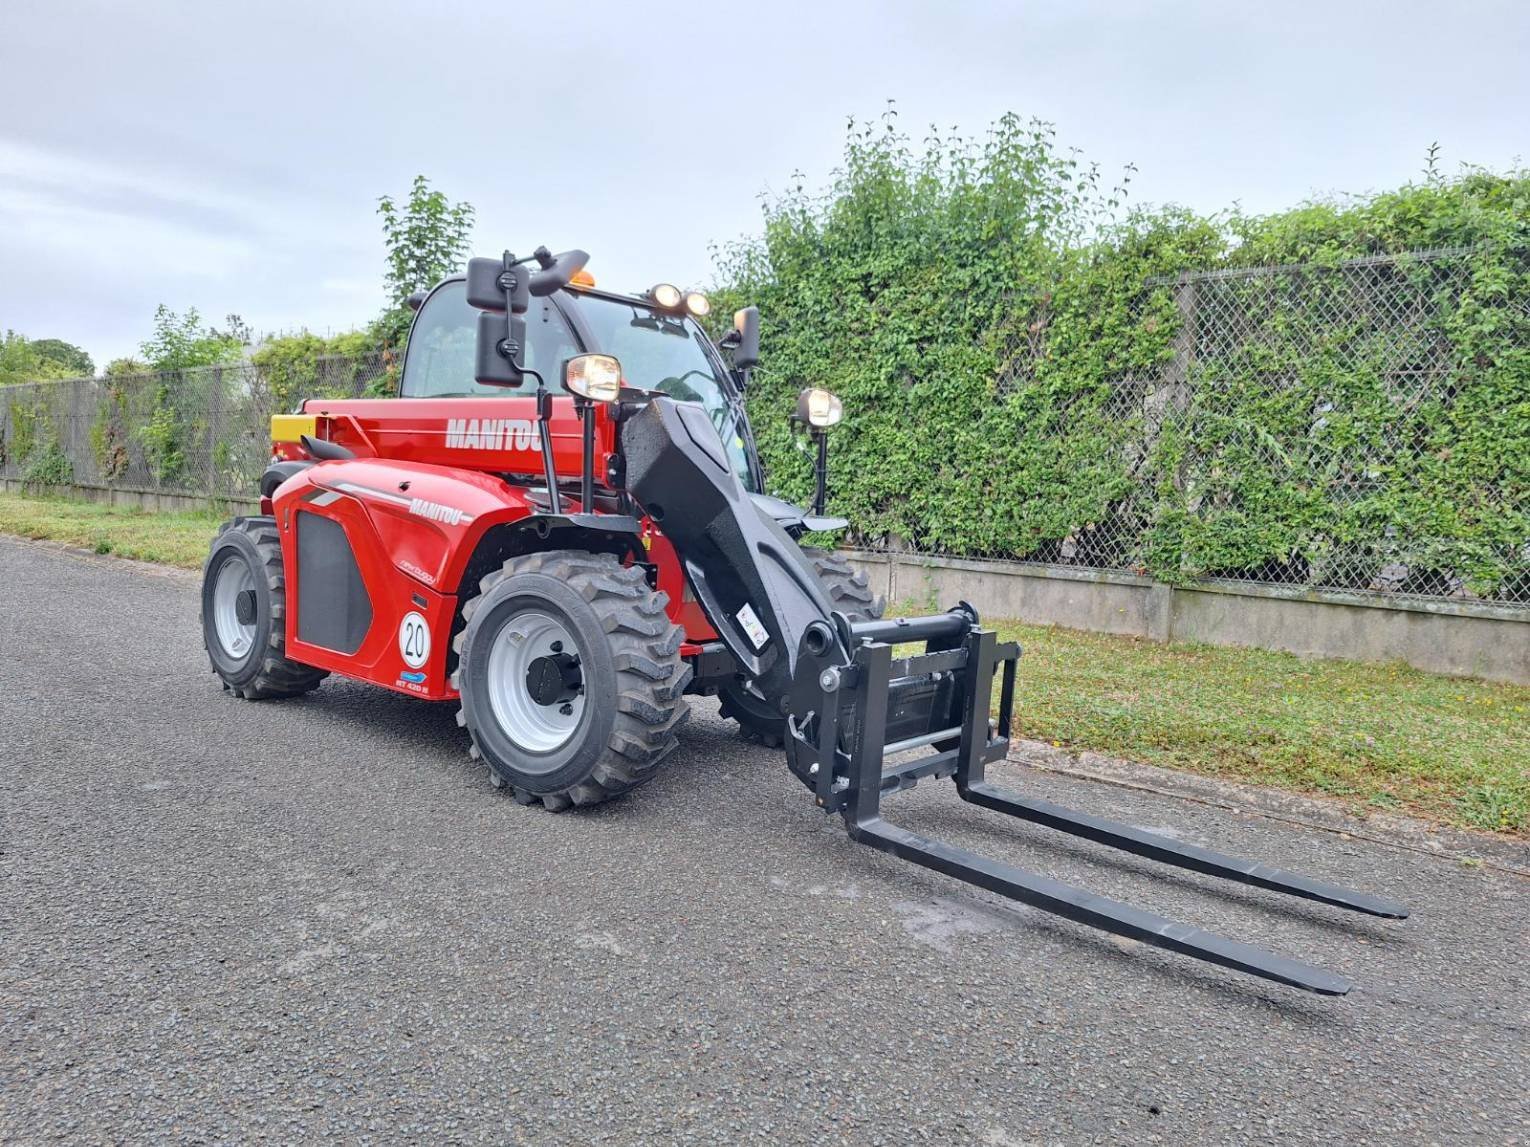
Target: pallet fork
850	706
843	731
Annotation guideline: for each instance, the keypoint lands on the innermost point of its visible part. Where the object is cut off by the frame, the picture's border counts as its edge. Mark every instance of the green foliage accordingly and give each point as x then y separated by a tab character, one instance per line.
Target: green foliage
26	360
120	368
33	444
180	345
1007	342
70	359
48	465
427	239
180	342
305	365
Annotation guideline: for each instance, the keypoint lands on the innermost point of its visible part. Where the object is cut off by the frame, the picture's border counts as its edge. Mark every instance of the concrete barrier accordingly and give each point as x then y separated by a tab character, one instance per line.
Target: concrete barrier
1459	638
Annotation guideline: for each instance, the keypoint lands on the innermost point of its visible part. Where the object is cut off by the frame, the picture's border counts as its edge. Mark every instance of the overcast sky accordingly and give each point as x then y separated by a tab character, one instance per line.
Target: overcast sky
229	157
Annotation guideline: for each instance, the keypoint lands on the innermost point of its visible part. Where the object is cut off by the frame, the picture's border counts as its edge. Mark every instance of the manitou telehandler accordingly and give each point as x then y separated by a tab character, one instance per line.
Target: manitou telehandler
567	564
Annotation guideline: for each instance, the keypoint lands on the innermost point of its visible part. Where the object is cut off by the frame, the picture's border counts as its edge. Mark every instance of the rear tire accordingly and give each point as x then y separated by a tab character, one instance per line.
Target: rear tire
759	719
244	614
571	678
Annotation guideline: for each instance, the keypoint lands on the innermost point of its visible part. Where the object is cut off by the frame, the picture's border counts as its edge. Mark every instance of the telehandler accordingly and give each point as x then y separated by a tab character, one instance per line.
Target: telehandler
566	562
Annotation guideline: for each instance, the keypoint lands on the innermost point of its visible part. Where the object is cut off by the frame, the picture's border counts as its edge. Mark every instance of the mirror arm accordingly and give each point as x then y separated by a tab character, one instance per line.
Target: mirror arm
544	428
820	472
586	411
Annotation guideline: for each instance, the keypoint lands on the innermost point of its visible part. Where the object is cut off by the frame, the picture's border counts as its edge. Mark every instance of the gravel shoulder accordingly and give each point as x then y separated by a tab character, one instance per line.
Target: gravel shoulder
313	919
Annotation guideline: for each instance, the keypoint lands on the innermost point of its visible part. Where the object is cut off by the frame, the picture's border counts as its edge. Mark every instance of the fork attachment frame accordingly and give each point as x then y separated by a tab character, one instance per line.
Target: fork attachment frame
846	721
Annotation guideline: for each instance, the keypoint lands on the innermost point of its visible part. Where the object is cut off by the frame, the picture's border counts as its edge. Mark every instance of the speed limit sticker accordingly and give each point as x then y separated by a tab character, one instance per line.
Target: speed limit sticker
414	640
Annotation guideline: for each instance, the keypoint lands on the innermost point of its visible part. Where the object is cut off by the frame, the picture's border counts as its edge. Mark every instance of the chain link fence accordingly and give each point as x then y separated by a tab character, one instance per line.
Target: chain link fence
202	433
1348	427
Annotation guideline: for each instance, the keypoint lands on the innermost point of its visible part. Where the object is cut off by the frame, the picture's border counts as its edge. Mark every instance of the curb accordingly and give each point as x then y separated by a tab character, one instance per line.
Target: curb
1325	815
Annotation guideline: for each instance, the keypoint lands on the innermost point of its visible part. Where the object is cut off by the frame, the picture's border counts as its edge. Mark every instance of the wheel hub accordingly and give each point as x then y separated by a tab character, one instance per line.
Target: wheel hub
554	679
244	607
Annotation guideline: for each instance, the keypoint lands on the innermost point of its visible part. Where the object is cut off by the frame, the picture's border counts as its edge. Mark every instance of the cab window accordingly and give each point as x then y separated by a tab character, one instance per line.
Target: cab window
439	361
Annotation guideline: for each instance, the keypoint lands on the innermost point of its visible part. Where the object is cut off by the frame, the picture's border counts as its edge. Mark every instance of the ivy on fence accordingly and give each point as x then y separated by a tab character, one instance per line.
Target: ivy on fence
1029	375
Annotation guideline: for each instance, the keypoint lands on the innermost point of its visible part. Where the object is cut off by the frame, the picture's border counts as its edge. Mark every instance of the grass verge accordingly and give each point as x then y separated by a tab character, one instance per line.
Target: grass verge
170	538
1379	736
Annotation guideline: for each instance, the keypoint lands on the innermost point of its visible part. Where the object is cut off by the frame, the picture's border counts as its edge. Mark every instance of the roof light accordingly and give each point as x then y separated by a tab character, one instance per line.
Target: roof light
698	304
667	295
582	278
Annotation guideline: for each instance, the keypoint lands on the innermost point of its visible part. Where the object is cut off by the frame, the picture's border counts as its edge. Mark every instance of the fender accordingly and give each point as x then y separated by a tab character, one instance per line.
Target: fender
411	531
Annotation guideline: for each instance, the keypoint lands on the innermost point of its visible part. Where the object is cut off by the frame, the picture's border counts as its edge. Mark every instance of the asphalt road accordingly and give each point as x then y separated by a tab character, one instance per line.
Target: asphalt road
314	919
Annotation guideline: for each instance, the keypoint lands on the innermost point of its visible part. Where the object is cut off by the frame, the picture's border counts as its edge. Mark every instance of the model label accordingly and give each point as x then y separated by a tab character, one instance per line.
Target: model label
414	640
436	512
490	433
751	625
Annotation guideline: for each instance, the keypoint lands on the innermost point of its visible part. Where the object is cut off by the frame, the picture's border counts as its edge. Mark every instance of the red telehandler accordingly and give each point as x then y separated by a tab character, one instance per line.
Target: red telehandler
567	562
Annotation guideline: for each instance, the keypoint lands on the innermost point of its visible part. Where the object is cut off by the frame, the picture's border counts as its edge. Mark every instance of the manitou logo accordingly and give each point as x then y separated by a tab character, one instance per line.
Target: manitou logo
490	433
436	512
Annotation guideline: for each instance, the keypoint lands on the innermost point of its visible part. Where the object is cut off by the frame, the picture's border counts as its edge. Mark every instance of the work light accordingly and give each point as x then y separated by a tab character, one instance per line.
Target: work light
698	304
597	377
819	408
666	295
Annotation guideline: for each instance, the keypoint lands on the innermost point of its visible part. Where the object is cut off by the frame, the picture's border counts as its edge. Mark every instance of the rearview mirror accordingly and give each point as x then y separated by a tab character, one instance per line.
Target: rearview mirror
746	353
497	355
491	286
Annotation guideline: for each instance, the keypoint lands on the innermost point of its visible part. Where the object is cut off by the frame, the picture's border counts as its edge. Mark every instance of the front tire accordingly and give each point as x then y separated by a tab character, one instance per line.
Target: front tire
759	718
571	678
244	614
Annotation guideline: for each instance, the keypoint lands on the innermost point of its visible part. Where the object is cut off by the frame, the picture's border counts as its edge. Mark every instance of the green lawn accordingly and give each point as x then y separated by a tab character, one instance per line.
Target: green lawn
176	539
1378	736
1381	736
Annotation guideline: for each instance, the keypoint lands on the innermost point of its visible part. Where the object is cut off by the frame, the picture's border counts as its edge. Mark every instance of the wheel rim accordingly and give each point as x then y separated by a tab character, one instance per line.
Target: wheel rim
234	578
525	641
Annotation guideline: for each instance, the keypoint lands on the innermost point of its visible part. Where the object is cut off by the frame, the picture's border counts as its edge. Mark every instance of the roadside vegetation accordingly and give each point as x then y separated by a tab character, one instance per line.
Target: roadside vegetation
1381	737
172	539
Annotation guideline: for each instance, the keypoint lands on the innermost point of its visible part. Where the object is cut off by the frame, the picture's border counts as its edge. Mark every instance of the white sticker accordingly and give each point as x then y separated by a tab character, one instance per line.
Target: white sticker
751	623
414	640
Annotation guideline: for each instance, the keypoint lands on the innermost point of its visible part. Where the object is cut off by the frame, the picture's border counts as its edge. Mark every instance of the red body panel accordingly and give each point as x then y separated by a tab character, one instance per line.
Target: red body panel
415	503
494	434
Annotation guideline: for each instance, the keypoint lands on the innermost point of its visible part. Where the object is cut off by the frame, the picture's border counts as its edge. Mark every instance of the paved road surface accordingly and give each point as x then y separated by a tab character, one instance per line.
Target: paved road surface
315	919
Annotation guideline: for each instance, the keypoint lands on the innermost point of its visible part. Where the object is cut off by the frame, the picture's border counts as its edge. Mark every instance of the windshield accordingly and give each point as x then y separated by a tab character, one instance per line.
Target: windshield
666	353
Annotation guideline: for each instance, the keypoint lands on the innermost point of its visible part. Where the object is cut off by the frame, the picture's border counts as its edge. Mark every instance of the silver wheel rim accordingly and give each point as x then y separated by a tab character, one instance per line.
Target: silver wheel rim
536	728
234	578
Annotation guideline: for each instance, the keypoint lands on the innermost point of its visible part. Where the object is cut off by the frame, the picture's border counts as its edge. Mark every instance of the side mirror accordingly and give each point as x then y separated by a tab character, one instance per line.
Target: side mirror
498	353
492	286
501	290
746	353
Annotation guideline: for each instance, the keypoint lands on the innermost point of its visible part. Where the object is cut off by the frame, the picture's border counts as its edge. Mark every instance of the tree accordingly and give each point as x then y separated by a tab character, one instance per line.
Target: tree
125	368
20	360
74	361
427	240
180	342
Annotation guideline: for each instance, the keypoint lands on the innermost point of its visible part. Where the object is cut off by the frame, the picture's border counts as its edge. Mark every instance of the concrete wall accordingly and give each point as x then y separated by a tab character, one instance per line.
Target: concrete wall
1463	639
143	499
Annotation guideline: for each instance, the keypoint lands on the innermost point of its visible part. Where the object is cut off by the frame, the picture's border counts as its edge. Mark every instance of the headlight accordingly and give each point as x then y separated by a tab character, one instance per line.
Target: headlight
597	377
819	408
698	304
666	295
